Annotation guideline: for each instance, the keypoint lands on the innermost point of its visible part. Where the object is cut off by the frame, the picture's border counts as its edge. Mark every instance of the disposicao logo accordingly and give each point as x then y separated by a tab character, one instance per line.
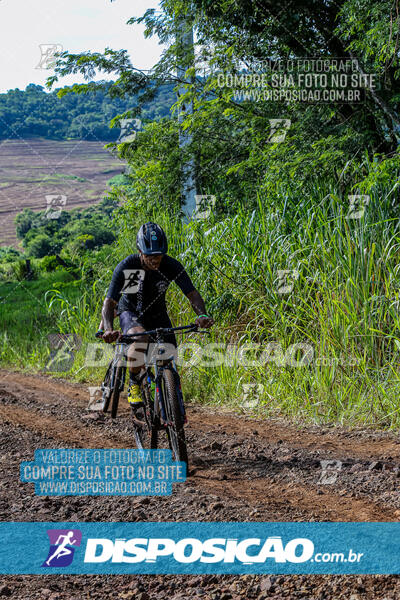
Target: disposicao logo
189	550
63	543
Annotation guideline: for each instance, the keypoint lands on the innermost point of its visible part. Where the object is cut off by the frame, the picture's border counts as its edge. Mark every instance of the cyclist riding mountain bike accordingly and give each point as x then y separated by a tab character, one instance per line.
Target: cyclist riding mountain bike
138	287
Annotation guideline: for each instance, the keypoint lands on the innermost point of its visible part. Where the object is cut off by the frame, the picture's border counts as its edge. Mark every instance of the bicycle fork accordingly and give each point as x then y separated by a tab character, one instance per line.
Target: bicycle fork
119	356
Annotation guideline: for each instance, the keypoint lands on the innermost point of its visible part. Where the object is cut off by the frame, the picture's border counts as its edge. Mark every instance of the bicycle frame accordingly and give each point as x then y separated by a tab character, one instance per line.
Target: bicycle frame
165	410
160	364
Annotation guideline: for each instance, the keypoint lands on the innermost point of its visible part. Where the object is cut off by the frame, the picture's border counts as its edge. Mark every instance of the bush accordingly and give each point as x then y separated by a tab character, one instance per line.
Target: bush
6	271
23	222
49	263
119	180
20	271
39	246
8	254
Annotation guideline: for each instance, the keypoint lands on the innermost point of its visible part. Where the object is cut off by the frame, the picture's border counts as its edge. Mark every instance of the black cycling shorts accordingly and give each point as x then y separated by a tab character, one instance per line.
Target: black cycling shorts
128	319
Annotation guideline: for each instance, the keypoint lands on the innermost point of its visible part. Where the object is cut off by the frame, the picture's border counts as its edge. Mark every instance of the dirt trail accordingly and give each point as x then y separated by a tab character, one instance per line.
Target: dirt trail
242	469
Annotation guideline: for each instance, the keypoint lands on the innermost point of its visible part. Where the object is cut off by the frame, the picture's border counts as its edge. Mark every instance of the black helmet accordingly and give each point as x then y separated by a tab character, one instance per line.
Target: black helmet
151	239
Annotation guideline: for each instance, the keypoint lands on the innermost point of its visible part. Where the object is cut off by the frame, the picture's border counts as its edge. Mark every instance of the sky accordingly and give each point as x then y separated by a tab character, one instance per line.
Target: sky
77	26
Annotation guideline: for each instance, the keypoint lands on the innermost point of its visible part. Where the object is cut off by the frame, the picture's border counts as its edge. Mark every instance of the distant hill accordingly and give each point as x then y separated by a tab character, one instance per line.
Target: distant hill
37	113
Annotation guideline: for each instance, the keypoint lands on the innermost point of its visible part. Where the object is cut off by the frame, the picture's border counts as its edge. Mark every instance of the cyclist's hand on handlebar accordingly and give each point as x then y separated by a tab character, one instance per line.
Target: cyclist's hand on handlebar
204	322
110	336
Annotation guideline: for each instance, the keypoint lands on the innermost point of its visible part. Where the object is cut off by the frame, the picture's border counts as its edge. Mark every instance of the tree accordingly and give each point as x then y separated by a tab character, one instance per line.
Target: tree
35	112
8	253
23	222
231	136
39	246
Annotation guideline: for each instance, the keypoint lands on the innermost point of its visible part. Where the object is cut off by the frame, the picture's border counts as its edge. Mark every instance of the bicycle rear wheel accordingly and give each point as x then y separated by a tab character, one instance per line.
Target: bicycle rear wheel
118	383
175	424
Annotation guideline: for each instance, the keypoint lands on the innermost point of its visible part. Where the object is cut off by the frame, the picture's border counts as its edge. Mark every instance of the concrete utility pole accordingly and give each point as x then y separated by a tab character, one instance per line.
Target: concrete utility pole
185	46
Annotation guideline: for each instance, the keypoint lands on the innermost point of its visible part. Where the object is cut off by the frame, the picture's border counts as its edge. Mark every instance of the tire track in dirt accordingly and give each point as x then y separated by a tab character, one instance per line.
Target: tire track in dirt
287	499
282	498
357	445
58	430
245	469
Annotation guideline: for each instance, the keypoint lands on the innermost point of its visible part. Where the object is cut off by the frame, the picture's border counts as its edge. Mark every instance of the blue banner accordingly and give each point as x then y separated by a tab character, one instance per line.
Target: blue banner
200	548
99	472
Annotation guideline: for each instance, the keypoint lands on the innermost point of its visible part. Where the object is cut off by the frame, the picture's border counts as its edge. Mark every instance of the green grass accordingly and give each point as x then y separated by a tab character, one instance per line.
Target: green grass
26	321
45	178
69	177
344	306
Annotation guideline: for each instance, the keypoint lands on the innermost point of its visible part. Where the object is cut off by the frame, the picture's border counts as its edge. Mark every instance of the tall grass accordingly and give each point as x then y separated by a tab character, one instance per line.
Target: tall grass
344	304
26	319
343	308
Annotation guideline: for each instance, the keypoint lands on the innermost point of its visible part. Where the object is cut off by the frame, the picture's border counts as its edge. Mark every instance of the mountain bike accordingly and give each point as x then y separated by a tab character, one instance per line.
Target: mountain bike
160	387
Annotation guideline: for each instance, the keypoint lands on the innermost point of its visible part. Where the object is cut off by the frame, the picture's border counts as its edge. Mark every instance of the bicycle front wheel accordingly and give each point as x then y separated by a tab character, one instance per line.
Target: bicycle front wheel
175	424
118	383
106	388
144	430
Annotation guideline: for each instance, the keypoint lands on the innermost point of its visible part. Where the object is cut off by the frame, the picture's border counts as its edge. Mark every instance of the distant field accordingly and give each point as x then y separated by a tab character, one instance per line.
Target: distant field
33	168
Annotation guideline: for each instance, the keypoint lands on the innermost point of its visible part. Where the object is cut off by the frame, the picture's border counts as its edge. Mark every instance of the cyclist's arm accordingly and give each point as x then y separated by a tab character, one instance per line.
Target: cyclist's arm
101	326
185	283
197	302
199	308
108	313
110	303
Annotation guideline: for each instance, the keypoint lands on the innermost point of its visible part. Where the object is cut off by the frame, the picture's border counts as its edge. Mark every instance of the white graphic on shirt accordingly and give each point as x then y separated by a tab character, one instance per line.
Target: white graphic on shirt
133	279
162	286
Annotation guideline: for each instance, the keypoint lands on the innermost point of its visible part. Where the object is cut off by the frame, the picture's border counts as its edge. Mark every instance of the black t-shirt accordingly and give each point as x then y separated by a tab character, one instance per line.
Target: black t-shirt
143	291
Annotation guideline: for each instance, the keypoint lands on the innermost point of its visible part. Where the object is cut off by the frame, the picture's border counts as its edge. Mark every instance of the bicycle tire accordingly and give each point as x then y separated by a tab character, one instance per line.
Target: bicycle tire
118	379
107	383
175	425
142	421
145	433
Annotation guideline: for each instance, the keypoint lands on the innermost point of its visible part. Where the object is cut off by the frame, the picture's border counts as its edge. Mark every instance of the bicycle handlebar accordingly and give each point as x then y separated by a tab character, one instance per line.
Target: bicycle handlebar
129	337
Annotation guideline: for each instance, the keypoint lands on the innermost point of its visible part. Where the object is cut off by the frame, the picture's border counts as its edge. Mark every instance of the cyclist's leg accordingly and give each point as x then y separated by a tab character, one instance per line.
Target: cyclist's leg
130	323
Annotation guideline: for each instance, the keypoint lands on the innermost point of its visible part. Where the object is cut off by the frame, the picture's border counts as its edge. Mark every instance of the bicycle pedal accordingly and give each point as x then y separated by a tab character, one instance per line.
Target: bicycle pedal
137	410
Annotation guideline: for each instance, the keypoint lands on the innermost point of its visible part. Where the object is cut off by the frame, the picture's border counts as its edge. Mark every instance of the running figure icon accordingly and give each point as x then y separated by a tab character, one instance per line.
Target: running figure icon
62	550
63	543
